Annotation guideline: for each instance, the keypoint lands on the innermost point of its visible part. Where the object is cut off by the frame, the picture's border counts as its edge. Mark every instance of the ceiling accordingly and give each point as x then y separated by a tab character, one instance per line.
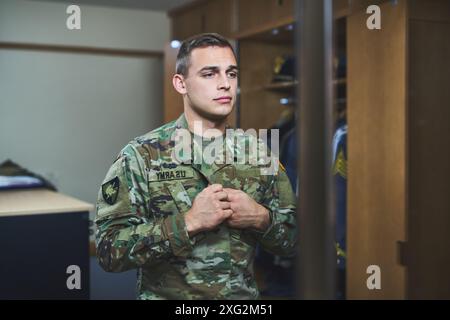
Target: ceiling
156	5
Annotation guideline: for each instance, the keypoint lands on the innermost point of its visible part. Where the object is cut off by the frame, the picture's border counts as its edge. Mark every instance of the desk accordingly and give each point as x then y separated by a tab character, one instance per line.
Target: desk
42	233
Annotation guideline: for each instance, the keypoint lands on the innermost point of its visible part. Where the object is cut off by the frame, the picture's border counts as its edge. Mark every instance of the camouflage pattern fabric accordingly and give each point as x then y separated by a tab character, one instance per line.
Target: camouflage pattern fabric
140	222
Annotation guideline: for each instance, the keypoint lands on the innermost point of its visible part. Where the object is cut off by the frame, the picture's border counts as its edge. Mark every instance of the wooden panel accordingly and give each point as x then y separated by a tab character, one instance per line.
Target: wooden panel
256	14
173	102
282	9
259	108
285	34
218	17
342	8
376	151
206	16
253	13
264	32
429	154
188	22
435	10
358	5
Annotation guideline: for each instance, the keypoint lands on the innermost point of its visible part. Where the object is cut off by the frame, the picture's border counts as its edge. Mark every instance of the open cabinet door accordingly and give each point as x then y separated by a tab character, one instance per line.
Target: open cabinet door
398	151
428	257
377	116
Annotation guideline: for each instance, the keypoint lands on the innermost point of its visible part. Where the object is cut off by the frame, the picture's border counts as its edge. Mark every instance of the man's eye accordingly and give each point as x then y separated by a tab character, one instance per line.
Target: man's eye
232	75
208	75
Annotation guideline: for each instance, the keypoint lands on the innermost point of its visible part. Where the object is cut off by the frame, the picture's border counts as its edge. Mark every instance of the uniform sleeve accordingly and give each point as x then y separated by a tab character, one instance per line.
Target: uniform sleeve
281	236
127	237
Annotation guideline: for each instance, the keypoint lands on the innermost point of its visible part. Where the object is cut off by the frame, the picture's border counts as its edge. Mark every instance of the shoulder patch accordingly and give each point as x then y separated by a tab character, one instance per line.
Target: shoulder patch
110	190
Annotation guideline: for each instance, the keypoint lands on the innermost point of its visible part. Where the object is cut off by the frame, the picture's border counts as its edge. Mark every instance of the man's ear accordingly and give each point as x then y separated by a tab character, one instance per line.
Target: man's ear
179	84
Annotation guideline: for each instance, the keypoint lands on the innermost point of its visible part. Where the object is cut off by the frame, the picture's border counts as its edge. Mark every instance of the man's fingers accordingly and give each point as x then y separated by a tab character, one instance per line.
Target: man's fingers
227	213
233	194
225	205
221	195
234	206
216	187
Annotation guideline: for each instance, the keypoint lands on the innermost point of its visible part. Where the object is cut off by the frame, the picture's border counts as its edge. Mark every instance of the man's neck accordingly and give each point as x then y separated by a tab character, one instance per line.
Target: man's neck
194	120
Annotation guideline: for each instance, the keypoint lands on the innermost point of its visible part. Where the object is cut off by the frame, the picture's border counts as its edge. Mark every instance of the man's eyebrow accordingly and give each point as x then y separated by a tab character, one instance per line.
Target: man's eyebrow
216	68
209	68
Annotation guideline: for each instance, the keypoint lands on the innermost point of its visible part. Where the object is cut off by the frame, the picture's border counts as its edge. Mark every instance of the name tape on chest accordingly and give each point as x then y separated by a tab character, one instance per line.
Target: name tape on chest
172	174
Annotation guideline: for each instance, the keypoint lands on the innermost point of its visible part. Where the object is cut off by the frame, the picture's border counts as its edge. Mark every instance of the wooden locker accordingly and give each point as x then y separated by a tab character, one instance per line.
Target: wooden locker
398	151
376	108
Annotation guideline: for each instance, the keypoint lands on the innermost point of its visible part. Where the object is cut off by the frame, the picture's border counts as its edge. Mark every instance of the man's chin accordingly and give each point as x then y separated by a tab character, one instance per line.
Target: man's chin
219	115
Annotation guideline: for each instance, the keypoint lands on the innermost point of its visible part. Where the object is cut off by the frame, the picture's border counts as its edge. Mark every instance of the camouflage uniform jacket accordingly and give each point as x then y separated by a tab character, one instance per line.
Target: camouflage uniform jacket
140	223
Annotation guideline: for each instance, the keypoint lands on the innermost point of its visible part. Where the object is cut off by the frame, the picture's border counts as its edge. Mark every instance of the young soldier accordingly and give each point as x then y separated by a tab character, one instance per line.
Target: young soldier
191	228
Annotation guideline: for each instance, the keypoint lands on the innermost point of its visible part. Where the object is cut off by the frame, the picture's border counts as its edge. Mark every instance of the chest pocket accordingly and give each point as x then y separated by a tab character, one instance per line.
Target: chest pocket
180	196
167	192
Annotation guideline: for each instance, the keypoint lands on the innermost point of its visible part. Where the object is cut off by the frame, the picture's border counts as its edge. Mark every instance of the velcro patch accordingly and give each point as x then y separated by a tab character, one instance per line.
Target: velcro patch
110	190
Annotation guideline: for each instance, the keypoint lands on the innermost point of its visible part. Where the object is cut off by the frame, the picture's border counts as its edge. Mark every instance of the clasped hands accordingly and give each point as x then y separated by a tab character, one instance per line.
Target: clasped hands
215	205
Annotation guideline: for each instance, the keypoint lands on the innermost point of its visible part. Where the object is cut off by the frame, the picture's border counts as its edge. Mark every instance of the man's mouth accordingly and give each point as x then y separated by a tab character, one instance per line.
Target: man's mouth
225	99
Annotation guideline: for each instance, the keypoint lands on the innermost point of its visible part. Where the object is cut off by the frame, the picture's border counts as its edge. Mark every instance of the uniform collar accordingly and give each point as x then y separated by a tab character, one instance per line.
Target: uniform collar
181	123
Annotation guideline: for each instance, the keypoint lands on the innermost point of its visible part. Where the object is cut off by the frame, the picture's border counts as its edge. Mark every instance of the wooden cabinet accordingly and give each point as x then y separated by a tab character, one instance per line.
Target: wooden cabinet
399	159
260	98
251	23
219	17
188	22
262	14
398	128
202	16
230	17
377	154
282	9
428	141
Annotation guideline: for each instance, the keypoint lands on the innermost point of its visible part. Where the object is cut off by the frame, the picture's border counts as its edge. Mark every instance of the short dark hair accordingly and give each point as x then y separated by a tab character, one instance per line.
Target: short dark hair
202	40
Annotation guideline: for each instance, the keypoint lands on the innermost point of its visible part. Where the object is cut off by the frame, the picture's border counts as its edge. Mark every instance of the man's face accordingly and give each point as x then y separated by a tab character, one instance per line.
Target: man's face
211	82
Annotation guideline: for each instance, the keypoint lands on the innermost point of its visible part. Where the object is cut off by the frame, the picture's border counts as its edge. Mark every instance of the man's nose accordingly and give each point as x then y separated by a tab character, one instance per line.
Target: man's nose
224	83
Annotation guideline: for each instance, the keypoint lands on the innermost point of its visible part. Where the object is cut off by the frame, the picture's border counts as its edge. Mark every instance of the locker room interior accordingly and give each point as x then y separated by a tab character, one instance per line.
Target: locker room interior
358	90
